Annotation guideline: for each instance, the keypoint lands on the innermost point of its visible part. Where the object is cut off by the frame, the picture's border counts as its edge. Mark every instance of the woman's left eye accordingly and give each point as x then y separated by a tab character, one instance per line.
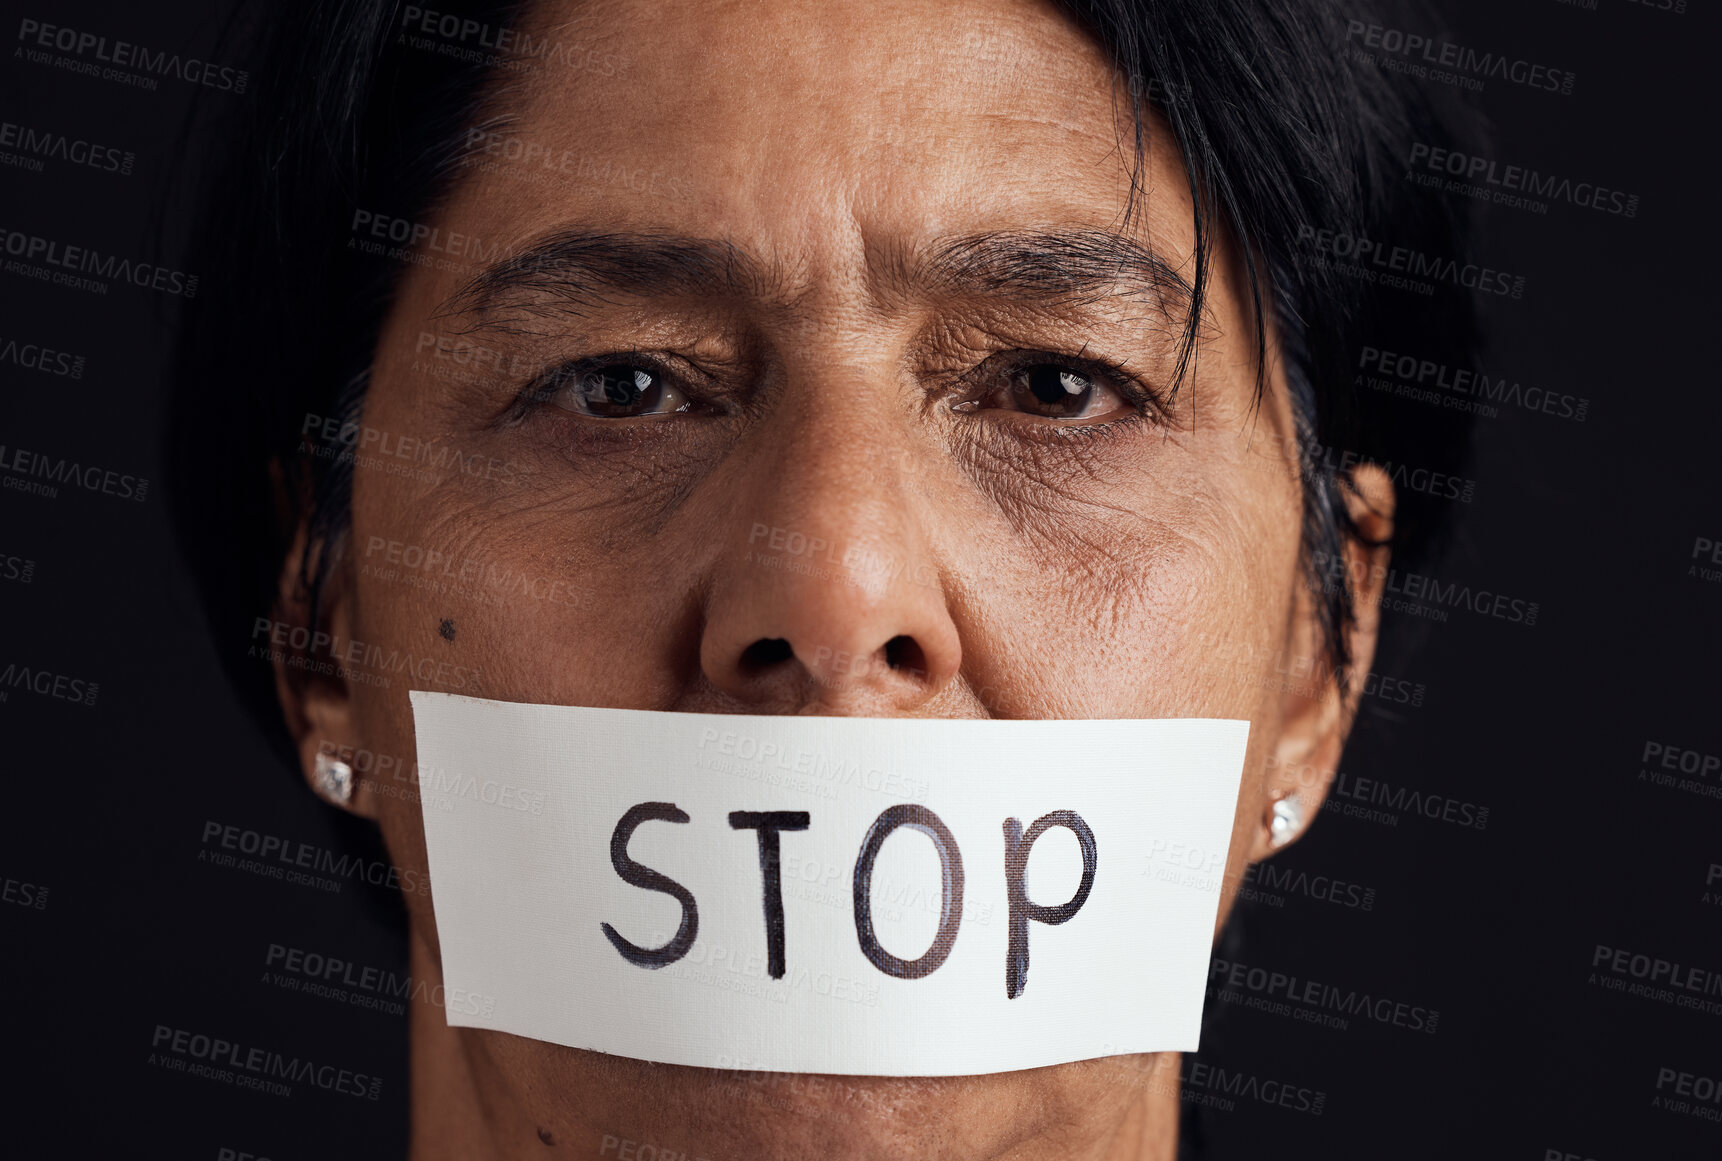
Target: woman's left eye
615	391
1054	391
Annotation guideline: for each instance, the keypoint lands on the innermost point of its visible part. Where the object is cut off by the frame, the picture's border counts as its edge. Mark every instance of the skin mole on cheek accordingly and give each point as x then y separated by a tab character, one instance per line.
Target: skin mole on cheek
543	1134
446	629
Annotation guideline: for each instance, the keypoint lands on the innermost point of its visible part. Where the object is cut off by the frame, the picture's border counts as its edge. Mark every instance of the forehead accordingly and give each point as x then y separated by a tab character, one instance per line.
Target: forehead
804	127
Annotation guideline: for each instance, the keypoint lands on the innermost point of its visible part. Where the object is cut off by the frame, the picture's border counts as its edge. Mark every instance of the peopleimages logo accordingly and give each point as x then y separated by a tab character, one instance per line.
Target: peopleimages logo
1375	792
347	441
263	1065
464	38
1439	485
1664	762
547	165
17	568
36	357
22	894
1463	388
36	144
1262	878
1409	591
1654	978
1311	1000
280	857
30	248
363	986
1215	1080
297	647
124	55
1701	1095
46	682
418	242
21	462
1428	56
1403	267
1473	176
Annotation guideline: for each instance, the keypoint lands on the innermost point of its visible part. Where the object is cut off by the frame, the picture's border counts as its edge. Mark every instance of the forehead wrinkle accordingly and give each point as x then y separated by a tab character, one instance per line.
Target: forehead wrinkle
575	270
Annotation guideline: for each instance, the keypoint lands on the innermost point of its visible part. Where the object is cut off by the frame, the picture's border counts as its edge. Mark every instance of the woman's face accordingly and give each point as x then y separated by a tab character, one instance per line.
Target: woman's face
829	377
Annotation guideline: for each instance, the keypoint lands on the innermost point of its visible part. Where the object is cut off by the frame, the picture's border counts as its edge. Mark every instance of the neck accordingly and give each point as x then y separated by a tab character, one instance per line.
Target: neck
1149	1131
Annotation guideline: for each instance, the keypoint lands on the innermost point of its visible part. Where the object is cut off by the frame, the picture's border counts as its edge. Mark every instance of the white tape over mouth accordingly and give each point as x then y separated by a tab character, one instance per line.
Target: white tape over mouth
864	896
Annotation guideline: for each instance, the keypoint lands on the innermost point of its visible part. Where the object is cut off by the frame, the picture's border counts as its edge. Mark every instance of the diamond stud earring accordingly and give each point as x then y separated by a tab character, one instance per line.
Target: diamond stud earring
1287	821
333	779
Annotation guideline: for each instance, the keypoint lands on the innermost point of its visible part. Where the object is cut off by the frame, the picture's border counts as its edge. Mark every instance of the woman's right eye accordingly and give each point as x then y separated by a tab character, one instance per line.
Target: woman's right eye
615	391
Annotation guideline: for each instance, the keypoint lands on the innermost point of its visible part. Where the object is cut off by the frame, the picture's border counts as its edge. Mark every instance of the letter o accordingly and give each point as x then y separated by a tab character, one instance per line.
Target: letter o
916	817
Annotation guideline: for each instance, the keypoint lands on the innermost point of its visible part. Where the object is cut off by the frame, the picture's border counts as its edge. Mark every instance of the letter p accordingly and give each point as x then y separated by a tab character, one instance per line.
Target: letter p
1018	844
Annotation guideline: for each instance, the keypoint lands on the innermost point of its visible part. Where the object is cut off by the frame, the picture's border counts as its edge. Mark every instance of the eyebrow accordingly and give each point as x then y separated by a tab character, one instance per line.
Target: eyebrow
1061	267
574	271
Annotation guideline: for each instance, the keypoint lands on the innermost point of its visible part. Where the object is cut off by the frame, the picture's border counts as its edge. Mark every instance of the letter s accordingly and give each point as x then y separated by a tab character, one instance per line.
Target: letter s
636	875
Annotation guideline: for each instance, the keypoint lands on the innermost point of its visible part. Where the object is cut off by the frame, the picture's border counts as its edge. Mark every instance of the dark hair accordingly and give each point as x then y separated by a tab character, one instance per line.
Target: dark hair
1281	136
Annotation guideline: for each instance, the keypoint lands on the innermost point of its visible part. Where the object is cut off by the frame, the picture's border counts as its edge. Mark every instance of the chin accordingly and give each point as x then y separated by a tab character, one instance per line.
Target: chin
733	1114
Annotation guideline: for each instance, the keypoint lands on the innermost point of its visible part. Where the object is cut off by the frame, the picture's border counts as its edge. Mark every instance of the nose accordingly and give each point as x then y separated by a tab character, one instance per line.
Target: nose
828	598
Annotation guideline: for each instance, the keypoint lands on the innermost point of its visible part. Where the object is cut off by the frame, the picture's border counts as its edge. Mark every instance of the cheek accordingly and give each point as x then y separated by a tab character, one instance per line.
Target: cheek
1170	600
517	592
461	593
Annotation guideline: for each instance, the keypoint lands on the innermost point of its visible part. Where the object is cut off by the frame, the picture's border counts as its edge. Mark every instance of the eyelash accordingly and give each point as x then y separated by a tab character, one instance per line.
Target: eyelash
541	391
1148	404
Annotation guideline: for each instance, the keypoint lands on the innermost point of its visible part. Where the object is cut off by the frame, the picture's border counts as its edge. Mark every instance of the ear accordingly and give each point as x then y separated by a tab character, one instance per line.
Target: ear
1317	711
312	682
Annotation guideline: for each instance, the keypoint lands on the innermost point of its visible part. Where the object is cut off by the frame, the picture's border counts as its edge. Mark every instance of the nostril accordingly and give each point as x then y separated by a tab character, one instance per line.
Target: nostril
763	654
904	655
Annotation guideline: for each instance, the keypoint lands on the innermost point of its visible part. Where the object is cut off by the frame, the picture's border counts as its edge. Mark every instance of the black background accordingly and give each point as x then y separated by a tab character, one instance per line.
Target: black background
1495	928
